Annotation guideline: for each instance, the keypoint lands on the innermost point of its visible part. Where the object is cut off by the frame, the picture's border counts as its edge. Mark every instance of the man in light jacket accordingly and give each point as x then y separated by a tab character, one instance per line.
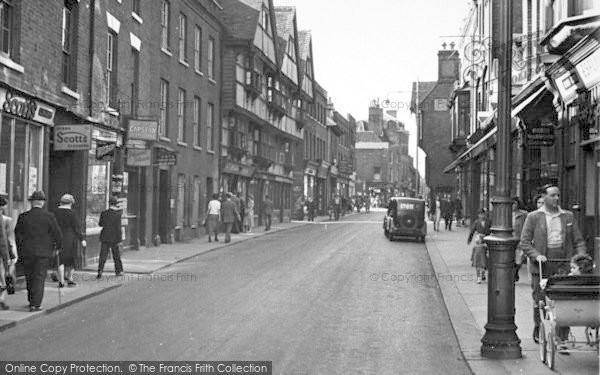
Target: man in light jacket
549	233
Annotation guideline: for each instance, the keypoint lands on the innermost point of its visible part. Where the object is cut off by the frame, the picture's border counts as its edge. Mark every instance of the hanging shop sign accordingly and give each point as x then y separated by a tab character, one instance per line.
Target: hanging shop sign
310	171
26	108
145	130
588	70
105	151
139	158
72	137
541	136
165	157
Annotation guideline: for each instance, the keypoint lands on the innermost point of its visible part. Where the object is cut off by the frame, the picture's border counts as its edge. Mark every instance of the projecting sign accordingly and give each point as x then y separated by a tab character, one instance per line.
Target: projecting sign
146	130
139	158
72	137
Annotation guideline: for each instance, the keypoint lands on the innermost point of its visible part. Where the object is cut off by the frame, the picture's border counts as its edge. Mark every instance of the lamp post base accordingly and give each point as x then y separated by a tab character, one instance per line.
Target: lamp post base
501	342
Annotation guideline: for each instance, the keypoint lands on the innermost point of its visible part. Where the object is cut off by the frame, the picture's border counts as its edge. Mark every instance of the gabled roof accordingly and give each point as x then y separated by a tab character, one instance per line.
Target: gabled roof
367	136
304	38
424	89
241	17
284	19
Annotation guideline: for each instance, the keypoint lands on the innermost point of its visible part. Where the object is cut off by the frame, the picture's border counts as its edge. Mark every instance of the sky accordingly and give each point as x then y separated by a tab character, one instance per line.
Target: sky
364	50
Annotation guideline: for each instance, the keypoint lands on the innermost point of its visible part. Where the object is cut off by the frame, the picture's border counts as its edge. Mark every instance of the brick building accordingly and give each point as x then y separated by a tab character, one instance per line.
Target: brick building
372	164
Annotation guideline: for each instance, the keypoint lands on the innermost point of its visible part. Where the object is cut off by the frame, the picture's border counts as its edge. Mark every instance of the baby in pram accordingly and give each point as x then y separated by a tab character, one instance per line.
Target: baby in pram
581	264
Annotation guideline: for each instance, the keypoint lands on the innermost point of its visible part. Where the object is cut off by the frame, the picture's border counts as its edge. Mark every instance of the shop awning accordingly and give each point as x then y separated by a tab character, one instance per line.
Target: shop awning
482	145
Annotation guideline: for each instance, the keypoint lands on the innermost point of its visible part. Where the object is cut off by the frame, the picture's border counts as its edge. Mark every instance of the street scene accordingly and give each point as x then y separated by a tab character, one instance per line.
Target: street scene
299	187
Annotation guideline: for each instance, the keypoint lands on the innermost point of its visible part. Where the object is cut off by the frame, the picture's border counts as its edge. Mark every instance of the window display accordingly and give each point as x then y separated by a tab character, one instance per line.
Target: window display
97	190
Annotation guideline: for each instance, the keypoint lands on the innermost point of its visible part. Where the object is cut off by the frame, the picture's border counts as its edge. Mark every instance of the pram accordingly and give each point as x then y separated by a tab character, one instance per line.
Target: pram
569	301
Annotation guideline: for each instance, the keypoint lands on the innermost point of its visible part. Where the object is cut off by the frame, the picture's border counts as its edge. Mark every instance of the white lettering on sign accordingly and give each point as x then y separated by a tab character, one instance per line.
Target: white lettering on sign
72	137
146	130
588	70
406	206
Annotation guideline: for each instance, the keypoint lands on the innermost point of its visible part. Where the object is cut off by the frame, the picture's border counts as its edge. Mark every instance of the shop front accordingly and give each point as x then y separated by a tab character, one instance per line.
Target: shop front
322	193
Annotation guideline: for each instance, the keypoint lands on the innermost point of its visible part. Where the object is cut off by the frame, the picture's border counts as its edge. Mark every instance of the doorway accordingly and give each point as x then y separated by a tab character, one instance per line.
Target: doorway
164	207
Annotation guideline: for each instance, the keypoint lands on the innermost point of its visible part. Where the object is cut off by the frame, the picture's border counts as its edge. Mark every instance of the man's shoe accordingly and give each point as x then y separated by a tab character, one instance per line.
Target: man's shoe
99	276
71	283
35	308
61	285
536	334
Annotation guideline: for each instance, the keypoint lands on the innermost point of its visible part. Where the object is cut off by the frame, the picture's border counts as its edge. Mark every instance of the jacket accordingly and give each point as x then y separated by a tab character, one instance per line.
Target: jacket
229	211
519	222
484	229
7	222
4	245
534	238
110	221
37	233
268	207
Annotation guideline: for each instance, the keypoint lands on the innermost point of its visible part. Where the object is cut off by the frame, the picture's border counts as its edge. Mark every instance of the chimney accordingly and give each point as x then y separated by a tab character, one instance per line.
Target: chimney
376	120
448	64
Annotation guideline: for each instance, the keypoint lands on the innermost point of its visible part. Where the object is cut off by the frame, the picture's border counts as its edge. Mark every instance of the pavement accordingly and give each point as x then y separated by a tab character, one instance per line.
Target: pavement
466	302
135	263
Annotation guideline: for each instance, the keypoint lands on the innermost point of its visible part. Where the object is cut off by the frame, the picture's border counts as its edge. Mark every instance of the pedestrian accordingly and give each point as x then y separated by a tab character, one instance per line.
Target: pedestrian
4	262
458	212
213	213
311	207
11	269
337	206
38	237
110	237
242	212
482	227
229	215
550	233
479	257
518	219
437	207
236	224
368	204
299	207
448	210
249	214
268	212
72	237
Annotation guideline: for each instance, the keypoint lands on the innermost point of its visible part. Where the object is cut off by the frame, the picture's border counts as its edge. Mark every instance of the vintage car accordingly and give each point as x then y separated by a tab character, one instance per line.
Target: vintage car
405	218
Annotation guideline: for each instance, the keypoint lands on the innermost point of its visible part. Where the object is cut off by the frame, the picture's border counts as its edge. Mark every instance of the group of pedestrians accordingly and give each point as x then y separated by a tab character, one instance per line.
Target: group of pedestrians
548	236
41	240
444	207
236	214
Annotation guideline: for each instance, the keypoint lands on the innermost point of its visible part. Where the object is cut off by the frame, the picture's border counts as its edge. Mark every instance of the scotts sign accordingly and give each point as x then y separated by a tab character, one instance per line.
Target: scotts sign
72	137
26	108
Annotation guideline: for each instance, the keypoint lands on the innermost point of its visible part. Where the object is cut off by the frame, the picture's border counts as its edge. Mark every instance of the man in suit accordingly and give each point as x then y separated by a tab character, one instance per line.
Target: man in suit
110	237
268	210
236	228
230	215
37	236
549	233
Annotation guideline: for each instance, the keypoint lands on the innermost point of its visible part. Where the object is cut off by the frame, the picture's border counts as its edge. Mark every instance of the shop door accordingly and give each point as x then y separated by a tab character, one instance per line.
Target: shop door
164	207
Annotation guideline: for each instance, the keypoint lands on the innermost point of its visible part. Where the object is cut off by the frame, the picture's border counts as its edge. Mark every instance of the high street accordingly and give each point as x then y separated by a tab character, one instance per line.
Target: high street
326	298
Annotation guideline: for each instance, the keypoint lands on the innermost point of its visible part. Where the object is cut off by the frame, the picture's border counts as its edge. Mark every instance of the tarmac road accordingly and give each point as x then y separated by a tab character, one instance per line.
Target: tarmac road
328	298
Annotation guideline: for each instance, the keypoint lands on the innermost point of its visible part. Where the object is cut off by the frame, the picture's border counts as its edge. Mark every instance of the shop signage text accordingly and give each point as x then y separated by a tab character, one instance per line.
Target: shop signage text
26	108
139	158
72	137
165	157
588	70
105	151
146	130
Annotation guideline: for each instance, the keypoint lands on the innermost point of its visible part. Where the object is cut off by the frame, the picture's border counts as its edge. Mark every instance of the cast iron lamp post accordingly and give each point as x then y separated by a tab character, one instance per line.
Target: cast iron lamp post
501	340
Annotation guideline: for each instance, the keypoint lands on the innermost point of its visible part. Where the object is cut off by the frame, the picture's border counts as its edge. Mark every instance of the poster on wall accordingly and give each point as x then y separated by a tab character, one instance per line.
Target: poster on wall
33	178
3	179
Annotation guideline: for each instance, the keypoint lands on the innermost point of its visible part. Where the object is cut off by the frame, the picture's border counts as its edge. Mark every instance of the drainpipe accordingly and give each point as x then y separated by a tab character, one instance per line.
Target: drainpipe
91	56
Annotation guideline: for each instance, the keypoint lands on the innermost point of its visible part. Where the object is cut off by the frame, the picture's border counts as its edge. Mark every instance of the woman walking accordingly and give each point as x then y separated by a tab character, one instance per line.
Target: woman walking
72	237
249	214
212	219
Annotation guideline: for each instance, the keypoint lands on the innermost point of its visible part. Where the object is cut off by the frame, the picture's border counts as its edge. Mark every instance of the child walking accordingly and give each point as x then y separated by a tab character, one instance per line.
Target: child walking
479	257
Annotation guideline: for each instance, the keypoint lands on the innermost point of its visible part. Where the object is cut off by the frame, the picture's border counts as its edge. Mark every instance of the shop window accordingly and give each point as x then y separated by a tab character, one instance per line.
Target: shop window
97	190
69	47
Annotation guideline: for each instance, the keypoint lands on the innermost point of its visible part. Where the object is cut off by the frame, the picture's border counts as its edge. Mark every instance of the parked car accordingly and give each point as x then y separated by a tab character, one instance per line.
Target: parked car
405	218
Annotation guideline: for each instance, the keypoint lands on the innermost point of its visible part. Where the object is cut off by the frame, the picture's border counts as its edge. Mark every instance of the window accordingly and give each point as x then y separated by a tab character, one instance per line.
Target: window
264	19
211	58
181	116
137	7
182	37
210	114
111	69
6	25
198	49
165	15
135	85
69	58
196	118
164	108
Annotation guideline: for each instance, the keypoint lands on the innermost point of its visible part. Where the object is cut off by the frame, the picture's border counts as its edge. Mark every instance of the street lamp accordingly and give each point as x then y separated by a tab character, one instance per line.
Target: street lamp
501	340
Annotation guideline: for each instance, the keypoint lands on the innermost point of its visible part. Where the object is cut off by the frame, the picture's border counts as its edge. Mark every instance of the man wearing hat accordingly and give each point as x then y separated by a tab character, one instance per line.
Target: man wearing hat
37	235
110	236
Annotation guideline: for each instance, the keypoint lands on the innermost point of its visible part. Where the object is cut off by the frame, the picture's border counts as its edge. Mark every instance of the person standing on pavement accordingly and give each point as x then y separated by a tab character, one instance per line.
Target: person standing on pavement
549	233
448	210
236	202
70	227
249	214
213	213
268	211
458	212
518	219
11	272
110	237
437	213
311	208
37	235
482	227
242	212
230	215
4	263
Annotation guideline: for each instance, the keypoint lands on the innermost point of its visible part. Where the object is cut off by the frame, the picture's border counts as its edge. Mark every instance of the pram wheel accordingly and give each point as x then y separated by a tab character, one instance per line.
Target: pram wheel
542	339
550	350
